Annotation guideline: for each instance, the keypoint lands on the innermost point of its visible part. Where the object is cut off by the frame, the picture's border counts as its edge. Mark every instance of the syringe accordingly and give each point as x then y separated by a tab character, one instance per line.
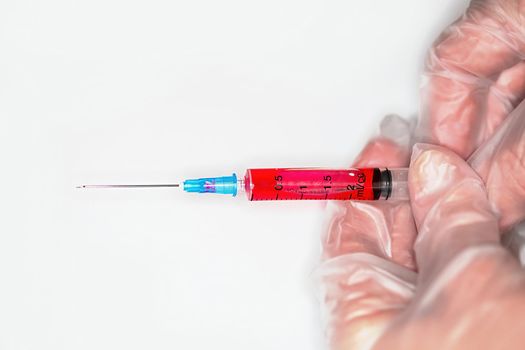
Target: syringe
300	184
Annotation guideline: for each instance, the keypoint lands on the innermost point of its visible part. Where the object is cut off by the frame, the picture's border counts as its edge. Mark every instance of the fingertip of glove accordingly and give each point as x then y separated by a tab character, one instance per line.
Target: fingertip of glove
431	167
397	129
434	171
391	147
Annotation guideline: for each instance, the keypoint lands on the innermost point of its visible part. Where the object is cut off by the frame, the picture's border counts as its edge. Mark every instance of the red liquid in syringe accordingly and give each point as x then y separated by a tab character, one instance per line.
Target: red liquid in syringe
317	184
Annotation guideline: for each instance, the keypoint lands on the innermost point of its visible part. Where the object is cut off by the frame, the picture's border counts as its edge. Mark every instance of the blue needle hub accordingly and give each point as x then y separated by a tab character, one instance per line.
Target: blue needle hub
221	185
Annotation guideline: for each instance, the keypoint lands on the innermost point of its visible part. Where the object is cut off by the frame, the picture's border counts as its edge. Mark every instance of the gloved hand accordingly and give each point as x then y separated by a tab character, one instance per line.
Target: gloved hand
475	76
469	292
467	284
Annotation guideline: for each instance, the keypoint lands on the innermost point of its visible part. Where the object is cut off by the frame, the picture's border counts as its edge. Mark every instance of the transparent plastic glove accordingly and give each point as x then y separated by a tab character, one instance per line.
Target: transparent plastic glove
469	290
501	164
474	76
368	277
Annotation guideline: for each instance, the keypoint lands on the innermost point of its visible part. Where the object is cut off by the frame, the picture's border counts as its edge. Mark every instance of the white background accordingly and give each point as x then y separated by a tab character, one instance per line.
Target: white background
109	91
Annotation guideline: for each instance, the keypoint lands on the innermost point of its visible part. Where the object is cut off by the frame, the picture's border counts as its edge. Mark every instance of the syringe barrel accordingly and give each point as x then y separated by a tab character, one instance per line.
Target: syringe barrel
399	184
326	184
